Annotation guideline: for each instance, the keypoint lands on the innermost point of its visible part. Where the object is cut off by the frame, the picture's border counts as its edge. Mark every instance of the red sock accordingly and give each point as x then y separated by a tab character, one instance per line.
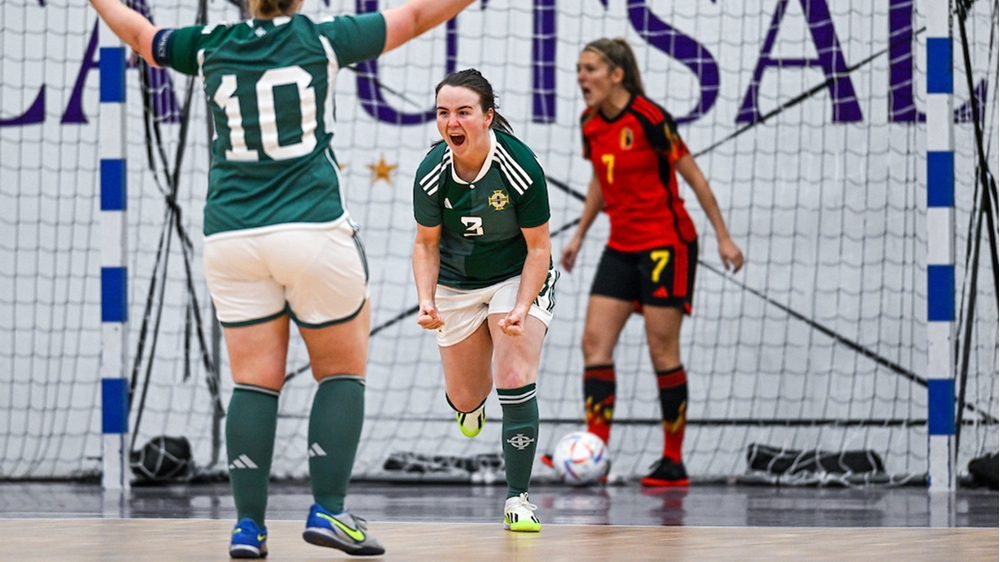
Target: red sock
673	402
599	398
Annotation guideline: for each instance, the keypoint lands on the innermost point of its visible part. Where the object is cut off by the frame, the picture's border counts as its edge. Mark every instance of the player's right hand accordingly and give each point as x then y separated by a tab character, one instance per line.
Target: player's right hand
569	254
732	257
428	317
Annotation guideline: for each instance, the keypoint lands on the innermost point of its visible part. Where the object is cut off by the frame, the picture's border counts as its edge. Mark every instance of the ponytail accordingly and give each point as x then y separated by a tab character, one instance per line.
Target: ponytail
618	54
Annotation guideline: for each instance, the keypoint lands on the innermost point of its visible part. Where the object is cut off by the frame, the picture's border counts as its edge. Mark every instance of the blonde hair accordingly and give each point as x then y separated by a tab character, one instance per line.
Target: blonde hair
269	7
618	54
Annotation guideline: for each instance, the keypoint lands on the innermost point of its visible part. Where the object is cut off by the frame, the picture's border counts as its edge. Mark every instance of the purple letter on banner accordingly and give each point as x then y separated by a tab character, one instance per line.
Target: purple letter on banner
831	61
689	52
543	61
35	113
74	109
370	88
902	107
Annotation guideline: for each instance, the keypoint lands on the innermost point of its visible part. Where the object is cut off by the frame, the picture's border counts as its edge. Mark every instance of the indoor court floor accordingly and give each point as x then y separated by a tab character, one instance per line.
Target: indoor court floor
452	522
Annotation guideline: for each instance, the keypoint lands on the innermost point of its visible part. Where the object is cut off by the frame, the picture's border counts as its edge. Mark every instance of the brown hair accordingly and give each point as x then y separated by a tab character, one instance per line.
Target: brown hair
618	54
472	79
269	7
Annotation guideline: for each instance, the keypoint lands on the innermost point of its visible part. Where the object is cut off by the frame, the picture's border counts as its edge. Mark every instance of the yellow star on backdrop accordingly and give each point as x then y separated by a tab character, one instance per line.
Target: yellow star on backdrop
382	170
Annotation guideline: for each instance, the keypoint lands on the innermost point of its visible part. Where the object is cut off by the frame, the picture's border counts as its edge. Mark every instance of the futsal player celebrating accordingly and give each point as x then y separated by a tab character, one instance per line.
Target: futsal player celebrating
278	243
652	253
483	269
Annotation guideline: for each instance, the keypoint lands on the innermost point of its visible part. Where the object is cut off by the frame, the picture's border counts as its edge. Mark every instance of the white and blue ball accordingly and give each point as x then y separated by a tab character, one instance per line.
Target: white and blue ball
581	459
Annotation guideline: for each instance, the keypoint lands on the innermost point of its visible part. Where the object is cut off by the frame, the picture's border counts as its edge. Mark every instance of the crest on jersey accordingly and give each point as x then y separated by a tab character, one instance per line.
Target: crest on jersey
626	138
499	200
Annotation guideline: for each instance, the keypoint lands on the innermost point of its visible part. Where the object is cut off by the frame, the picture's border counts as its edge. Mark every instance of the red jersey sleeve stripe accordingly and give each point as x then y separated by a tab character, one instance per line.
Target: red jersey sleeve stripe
649	110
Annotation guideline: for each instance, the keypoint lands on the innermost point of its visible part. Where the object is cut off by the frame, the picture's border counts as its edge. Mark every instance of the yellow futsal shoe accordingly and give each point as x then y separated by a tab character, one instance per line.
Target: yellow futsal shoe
519	515
471	423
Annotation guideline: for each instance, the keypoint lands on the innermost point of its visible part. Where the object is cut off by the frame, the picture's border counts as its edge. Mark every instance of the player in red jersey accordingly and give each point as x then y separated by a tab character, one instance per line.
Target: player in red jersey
651	256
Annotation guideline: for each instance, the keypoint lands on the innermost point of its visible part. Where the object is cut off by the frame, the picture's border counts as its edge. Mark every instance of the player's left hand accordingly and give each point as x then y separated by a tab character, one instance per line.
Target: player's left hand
732	257
512	324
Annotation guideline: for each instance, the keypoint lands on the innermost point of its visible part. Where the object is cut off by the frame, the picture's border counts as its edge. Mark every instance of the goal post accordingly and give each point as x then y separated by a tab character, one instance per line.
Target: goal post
115	474
940	249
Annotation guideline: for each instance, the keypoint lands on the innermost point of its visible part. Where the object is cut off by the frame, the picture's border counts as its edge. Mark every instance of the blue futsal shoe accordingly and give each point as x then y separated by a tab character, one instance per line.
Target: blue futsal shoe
342	531
249	540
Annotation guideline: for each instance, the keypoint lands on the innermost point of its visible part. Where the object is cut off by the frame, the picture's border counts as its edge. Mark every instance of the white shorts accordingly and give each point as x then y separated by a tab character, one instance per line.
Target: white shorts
316	273
463	311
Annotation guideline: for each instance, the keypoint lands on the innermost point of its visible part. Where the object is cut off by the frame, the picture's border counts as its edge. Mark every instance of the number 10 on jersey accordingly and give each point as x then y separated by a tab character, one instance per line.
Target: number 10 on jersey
225	97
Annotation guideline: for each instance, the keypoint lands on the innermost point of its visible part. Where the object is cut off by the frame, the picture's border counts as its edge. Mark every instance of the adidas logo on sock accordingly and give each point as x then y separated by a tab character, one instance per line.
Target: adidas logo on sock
316	451
242	461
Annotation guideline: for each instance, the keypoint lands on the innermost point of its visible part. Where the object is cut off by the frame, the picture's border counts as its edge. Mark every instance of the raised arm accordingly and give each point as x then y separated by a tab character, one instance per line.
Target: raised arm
417	16
730	253
130	26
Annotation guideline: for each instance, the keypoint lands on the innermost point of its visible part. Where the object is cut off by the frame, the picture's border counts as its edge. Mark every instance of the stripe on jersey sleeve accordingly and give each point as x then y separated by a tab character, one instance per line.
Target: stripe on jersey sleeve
516	175
649	110
332	68
429	183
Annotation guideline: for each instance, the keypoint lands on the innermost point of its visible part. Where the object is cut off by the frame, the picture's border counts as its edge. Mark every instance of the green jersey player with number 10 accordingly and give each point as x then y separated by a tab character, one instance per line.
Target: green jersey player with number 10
279	245
483	268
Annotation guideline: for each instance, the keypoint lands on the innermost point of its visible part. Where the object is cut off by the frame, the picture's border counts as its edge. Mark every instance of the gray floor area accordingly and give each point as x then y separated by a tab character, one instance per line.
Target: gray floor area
715	505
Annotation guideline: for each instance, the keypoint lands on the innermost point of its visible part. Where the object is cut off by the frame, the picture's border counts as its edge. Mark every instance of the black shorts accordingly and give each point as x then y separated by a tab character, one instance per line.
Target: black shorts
657	277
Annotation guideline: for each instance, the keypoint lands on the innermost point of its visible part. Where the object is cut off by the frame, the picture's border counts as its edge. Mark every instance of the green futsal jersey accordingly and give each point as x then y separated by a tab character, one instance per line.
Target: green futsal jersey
270	85
481	241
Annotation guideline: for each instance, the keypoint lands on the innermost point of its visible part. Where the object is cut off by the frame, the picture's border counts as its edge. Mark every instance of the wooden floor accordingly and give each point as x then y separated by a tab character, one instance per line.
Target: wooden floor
141	540
76	522
624	505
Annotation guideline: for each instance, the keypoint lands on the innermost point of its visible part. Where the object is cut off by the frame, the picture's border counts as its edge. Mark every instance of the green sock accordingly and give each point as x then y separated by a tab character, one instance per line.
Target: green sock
338	412
250	425
520	435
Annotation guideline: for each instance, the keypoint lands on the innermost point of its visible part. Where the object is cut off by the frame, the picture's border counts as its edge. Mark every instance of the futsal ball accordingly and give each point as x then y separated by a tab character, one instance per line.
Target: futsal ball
581	459
163	458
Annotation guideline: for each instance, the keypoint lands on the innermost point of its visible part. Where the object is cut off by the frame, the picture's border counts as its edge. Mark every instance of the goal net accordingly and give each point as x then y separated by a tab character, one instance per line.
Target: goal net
806	116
